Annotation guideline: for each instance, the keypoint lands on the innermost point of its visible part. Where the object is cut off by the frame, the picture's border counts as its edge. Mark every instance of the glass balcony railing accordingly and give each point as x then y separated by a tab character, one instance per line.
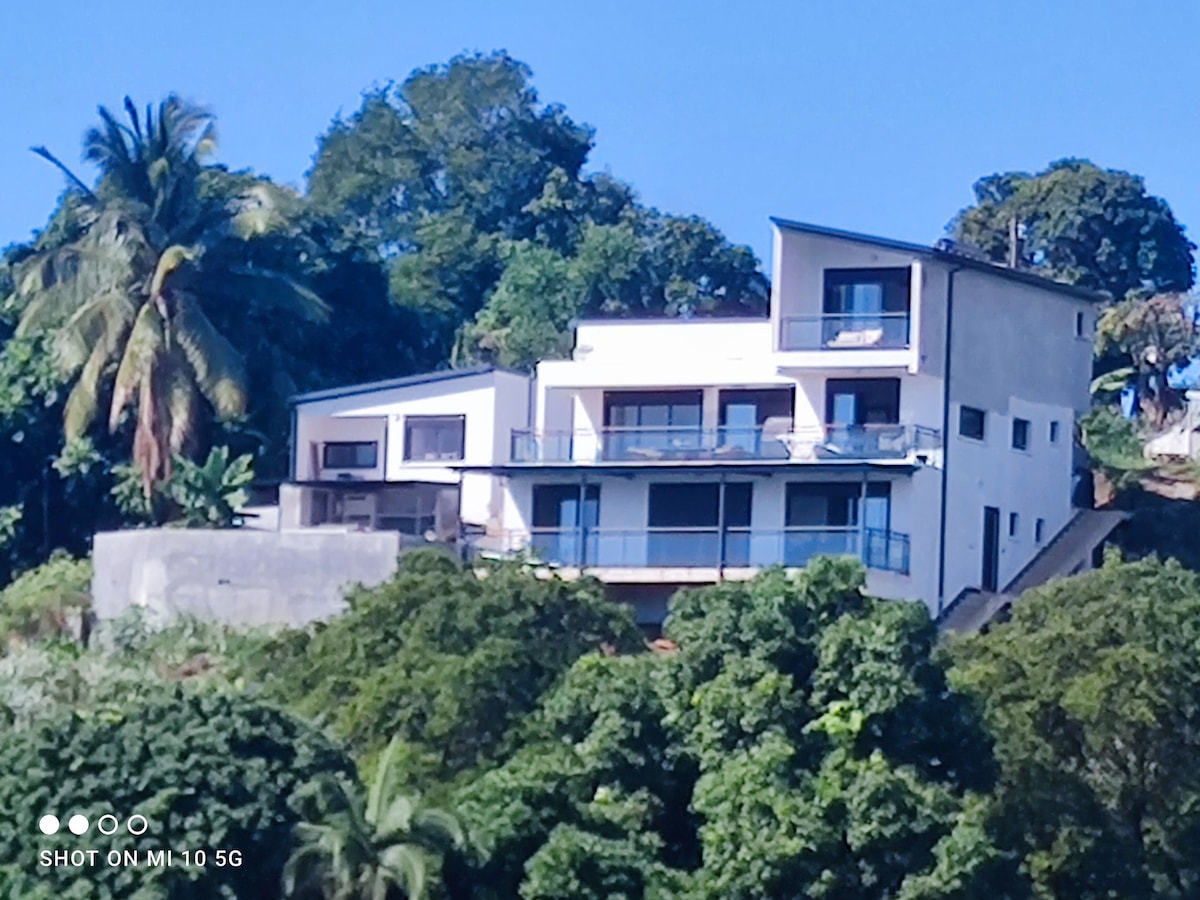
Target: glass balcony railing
689	548
665	445
847	331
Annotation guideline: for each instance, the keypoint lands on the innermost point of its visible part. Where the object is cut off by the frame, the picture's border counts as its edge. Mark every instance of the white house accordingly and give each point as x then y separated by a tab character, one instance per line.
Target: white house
909	405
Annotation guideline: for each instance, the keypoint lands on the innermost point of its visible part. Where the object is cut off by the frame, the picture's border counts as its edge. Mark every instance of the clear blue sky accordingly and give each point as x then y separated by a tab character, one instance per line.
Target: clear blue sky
874	116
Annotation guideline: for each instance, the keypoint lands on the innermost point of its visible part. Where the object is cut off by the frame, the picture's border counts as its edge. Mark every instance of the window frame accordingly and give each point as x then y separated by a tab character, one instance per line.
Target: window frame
1052	432
1014	525
963	410
1028	430
1039	531
326	446
409	421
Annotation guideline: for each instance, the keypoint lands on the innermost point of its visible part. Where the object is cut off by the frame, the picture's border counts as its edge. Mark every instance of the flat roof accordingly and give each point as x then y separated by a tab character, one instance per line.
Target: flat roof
372	387
693	467
948	257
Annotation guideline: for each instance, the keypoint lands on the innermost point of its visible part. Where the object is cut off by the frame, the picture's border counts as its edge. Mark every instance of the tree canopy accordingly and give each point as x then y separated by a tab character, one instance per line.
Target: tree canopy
1097	228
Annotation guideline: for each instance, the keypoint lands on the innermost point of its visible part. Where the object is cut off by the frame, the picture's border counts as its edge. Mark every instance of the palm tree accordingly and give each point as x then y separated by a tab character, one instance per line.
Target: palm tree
356	850
150	254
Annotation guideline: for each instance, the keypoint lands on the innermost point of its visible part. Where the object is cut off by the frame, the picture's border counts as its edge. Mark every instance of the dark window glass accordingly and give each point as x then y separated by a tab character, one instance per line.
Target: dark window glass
684	505
652	409
557	506
812	505
350	455
1079	324
866	291
434	437
1039	530
1054	432
1020	434
1012	524
862	401
971	422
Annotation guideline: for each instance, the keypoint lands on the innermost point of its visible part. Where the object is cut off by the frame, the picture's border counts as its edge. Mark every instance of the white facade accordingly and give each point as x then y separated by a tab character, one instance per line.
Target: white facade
682	451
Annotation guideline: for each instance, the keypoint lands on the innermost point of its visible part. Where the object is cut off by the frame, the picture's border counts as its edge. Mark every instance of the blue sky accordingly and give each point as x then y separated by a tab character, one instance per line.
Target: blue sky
874	116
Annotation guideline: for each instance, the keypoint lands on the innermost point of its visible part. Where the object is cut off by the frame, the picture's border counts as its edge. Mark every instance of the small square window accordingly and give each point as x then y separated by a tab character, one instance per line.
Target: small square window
1079	323
1039	530
1054	432
972	422
1020	434
1012	525
349	455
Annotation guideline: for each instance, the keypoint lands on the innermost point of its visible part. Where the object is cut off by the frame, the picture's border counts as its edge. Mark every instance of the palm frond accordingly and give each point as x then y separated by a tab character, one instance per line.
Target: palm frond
71	176
146	341
406	867
180	402
170	262
218	368
268	288
101	321
82	402
383	784
149	442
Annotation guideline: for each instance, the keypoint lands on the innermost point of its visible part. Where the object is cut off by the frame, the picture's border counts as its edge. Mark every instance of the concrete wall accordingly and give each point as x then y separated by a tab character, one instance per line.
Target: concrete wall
238	576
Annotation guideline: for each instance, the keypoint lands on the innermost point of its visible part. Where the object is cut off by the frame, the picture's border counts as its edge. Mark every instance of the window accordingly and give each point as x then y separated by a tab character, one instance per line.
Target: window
863	292
1054	432
1020	434
1079	322
862	401
647	424
971	422
1039	530
835	505
434	437
350	455
1012	525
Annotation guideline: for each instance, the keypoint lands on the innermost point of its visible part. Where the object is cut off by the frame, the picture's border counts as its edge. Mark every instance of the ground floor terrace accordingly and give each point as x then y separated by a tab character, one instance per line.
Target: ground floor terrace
697	526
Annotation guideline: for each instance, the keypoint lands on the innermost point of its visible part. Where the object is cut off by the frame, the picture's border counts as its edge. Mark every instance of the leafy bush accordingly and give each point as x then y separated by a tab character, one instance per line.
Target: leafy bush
51	601
1115	445
207	770
197	495
447	659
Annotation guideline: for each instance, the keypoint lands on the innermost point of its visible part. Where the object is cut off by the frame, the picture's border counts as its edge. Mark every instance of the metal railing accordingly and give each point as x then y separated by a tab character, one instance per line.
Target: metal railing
665	445
689	548
846	331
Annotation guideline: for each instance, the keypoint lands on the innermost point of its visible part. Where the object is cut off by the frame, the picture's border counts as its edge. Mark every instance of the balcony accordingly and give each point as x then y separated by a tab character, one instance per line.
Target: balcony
775	441
849	331
700	548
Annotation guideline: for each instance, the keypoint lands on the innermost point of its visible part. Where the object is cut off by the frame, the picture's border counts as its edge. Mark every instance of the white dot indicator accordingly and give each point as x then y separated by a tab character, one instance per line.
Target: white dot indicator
48	824
108	824
78	824
130	827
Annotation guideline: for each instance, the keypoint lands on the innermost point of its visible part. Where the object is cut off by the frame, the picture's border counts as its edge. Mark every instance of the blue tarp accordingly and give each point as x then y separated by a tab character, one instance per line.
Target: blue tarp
1129	401
1184	377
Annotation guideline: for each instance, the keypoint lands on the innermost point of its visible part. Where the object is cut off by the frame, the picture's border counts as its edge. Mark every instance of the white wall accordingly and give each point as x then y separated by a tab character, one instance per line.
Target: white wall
313	432
493	404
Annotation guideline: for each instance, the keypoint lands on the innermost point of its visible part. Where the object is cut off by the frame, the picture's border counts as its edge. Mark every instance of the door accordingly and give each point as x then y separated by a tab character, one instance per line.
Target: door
991	549
561	522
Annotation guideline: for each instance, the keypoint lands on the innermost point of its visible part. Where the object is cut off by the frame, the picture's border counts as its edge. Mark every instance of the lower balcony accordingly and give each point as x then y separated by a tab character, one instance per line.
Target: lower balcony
700	548
779	442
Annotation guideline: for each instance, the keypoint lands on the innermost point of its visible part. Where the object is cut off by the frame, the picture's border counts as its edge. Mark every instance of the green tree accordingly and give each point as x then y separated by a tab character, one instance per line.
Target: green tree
127	293
1097	228
368	849
51	601
447	659
1151	335
461	173
208	770
1092	692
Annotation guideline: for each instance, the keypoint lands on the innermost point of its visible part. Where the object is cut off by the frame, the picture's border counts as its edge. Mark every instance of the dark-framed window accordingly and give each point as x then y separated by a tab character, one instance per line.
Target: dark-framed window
972	422
652	409
1079	323
1039	530
835	505
862	401
1054	432
850	292
434	438
559	506
350	455
1013	520
1020	434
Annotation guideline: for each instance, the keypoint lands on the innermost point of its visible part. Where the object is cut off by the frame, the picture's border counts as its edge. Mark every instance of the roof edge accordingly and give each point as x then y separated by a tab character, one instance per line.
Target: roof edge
371	387
945	257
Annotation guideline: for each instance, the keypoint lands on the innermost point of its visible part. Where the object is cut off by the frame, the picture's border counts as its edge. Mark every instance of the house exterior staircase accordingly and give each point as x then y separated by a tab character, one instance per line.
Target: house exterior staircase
1068	553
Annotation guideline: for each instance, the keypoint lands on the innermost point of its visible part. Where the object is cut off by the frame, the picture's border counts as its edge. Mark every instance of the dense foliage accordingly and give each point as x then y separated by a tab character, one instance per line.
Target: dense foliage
1093	694
208	771
1076	222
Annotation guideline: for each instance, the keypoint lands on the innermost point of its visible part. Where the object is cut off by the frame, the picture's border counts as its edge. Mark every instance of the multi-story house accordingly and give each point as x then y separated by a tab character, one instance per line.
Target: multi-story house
911	406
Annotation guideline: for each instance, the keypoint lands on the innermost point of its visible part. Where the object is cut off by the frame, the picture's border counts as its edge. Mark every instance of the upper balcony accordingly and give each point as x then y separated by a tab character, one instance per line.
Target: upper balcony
776	441
846	331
